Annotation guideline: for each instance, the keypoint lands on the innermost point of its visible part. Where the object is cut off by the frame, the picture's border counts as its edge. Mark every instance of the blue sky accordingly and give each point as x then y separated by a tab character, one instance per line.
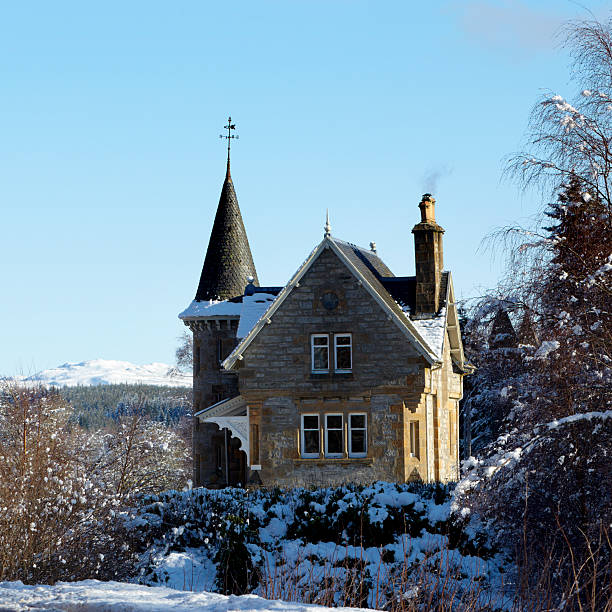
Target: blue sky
111	165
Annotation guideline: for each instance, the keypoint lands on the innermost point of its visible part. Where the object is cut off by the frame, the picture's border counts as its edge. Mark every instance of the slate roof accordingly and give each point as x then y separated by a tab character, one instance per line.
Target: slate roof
362	258
393	289
403	290
228	260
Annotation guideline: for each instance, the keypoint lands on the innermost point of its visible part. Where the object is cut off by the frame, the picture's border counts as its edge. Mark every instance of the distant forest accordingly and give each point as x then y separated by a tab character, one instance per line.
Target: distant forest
97	406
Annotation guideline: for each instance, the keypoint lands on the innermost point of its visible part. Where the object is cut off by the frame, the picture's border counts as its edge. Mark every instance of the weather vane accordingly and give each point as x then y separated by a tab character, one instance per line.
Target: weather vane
229	127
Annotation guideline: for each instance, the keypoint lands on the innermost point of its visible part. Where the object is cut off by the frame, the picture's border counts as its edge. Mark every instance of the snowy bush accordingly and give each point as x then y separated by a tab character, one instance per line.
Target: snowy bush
139	455
339	546
62	487
57	517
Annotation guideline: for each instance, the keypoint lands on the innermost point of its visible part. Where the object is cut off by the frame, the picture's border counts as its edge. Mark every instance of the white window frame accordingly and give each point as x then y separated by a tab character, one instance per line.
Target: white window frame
415	441
312	353
350	347
350	439
341	430
303	437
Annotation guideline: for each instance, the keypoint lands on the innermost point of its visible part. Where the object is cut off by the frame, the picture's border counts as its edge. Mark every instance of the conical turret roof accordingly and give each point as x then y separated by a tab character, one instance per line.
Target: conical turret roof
228	261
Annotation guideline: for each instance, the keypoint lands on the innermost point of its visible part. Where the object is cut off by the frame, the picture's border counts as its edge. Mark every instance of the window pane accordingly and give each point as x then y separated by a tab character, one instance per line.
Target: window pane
414	439
334	441
320	341
343	340
320	358
358	420
343	358
311	441
358	441
334	421
311	422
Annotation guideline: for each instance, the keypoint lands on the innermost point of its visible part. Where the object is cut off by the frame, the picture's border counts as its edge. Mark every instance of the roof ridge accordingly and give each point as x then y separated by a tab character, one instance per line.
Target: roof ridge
356	246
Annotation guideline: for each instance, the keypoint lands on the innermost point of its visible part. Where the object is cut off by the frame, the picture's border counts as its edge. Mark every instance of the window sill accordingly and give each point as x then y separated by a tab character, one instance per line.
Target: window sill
334	460
331	376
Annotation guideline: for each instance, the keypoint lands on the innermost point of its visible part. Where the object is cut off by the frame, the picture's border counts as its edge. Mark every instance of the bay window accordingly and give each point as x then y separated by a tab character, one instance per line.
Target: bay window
334	435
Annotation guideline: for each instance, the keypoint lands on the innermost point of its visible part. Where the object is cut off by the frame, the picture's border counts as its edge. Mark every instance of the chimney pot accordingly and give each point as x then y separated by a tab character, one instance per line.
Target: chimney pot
428	208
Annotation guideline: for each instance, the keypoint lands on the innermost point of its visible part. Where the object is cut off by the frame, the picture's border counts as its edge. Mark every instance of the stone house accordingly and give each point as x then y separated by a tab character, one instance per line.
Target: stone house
347	373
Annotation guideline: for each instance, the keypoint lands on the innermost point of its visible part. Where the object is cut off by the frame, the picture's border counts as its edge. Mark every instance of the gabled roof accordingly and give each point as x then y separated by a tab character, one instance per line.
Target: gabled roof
228	261
452	327
370	271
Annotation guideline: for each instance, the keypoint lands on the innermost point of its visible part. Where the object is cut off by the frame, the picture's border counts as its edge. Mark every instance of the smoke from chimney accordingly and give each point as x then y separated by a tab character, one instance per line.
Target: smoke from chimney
432	177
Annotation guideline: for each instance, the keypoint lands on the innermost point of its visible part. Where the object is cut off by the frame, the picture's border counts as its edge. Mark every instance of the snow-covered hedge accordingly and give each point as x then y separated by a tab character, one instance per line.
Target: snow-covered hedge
346	545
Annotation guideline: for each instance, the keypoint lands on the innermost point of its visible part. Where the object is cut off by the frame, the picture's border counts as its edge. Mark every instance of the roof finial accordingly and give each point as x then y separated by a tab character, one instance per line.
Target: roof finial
229	127
327	225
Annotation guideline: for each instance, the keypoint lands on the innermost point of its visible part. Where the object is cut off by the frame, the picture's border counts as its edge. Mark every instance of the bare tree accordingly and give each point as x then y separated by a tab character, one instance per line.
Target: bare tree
572	139
183	355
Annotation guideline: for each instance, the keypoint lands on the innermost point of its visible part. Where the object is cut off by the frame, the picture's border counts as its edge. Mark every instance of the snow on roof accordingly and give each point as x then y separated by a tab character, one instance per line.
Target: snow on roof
432	331
250	309
253	308
211	308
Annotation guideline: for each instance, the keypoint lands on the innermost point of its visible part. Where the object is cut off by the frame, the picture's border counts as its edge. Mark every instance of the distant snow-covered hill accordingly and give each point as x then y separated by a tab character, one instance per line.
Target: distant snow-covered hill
109	372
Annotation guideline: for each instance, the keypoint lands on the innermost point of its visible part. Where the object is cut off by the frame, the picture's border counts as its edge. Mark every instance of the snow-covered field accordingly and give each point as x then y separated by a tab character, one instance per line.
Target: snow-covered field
93	595
109	372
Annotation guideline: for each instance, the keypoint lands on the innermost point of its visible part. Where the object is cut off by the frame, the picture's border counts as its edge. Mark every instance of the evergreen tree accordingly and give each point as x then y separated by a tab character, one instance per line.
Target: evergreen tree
544	483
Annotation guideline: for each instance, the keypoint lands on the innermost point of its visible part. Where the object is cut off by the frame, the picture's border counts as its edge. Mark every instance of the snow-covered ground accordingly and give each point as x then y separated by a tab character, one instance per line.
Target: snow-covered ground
109	372
93	595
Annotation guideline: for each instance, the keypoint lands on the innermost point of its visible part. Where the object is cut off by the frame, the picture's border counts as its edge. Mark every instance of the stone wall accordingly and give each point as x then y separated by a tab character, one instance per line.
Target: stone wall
281	464
279	358
445	390
210	385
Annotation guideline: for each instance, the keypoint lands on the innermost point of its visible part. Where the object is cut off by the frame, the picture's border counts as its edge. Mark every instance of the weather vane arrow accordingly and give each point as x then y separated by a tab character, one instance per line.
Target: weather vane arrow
229	127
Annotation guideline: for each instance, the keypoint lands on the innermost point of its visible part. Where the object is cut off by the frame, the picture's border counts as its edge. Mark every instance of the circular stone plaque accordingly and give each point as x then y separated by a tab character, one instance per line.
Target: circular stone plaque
329	300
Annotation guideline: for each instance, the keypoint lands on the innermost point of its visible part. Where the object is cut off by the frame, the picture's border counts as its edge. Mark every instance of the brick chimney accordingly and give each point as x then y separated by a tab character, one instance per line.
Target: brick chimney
429	259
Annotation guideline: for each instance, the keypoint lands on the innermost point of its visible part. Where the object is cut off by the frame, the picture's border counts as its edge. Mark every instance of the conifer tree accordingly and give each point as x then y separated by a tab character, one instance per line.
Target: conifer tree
545	483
